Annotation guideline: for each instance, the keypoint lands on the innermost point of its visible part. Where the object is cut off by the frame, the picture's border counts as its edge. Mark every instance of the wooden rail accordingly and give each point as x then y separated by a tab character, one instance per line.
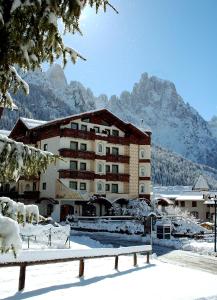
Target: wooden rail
83	255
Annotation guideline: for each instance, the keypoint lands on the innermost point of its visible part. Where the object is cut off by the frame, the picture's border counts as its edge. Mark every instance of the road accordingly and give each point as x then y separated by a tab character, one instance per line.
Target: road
164	254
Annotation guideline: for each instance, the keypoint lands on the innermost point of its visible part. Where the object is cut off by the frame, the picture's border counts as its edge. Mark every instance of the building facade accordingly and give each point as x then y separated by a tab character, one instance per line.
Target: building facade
103	159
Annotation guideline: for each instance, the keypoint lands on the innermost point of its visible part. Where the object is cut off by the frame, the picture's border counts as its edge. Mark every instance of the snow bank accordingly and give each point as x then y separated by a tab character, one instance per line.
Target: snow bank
9	235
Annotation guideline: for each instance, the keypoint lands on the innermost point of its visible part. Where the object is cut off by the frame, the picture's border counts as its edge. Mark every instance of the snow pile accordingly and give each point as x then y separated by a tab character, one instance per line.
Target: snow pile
130	227
32	213
9	235
18	211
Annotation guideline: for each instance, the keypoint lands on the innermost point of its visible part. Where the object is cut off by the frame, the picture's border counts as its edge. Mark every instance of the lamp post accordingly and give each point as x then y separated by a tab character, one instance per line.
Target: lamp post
212	199
151	215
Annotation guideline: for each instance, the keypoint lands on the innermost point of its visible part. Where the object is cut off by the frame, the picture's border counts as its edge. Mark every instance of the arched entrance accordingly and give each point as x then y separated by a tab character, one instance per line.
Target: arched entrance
66	210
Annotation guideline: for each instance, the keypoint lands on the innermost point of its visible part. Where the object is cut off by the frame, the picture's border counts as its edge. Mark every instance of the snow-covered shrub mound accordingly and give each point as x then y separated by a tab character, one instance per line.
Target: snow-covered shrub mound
9	235
21	213
138	209
8	207
32	213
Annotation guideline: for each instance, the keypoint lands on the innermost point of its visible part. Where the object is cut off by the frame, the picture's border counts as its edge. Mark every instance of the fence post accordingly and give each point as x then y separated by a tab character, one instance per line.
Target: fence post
148	257
22	277
134	259
116	262
81	268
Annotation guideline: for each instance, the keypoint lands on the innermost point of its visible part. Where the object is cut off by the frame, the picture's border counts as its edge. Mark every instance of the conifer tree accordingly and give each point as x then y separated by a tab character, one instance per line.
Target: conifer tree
29	36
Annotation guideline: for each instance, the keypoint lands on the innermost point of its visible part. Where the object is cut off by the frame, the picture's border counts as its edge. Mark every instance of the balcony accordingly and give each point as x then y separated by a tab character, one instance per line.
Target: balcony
77	154
91	135
30	195
118	158
117	177
89	175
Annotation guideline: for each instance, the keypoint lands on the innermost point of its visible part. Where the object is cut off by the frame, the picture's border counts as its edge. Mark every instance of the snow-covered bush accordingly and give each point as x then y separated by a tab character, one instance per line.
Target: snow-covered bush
138	209
8	208
32	213
9	235
21	213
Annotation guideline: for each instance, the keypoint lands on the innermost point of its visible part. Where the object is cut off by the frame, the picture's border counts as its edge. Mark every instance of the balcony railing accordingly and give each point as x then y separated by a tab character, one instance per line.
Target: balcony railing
89	175
77	153
90	135
66	152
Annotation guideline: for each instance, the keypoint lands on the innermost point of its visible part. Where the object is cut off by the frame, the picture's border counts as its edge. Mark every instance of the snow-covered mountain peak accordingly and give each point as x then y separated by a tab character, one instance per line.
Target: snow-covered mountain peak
56	76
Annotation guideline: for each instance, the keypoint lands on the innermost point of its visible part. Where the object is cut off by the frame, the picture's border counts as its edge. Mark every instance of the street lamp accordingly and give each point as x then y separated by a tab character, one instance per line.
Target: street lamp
212	199
151	215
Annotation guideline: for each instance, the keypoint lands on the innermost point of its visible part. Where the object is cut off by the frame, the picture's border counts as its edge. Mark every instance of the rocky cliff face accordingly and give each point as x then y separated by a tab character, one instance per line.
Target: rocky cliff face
213	126
175	125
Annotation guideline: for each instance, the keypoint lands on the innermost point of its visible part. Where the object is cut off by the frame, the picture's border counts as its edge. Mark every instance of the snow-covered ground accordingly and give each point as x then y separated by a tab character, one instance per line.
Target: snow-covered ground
155	281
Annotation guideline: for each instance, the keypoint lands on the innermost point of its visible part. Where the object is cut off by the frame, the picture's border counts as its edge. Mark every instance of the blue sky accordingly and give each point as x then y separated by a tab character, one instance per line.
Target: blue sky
171	39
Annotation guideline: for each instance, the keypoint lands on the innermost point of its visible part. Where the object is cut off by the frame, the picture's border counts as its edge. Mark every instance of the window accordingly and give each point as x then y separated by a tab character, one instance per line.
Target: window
114	168
208	215
114	188
87	120
107	150
100	167
142	189
115	132
195	214
27	187
49	209
73	165
107	169
73	185
83	186
83	147
108	131
96	129
142	171
74	126
45	147
34	186
182	203
100	148
142	153
83	166
107	187
194	203
44	186
74	146
83	127
99	187
115	151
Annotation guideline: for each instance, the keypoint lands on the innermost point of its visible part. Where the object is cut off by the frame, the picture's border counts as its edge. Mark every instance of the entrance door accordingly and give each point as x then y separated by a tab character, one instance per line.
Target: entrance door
65	211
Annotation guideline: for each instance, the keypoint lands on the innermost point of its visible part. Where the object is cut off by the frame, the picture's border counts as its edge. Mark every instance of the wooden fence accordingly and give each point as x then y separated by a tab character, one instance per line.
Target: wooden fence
83	255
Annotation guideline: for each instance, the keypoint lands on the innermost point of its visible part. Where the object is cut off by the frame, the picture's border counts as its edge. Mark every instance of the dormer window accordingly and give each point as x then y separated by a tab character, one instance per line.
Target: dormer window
96	129
87	120
115	132
74	126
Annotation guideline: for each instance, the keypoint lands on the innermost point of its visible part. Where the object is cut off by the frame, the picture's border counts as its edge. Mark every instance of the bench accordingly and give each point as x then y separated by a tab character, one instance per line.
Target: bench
32	258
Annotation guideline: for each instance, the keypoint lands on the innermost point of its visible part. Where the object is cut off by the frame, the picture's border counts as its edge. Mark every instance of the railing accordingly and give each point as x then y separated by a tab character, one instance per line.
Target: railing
73	255
89	175
65	152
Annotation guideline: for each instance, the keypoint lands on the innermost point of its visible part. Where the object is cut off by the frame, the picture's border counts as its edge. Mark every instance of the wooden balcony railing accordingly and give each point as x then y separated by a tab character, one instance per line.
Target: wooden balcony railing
89	175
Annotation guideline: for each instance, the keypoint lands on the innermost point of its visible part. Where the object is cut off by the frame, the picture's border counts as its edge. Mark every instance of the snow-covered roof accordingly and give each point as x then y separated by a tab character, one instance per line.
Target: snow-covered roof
201	184
75	116
5	132
32	123
190	197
